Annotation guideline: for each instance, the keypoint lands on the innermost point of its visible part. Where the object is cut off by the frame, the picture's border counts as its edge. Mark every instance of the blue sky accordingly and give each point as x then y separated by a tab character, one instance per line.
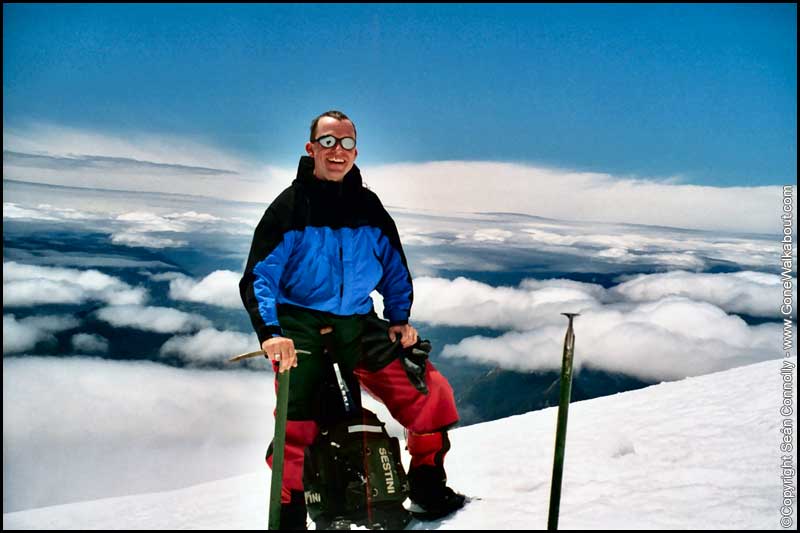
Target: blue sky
706	93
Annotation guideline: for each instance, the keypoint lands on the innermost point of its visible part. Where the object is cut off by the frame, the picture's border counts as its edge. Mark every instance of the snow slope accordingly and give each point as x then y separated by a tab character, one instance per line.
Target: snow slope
700	453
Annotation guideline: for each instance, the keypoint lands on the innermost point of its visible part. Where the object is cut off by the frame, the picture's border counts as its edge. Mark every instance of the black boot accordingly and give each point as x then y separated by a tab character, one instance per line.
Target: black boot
293	514
431	498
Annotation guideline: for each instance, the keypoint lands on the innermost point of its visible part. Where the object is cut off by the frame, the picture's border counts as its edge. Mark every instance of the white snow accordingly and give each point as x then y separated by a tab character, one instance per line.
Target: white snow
700	453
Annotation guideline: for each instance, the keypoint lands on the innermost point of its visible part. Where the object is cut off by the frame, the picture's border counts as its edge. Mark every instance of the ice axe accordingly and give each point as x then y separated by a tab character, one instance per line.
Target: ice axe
279	446
279	440
257	353
561	427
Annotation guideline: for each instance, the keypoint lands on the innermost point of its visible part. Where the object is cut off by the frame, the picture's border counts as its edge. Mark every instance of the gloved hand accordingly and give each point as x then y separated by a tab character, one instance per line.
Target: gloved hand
414	360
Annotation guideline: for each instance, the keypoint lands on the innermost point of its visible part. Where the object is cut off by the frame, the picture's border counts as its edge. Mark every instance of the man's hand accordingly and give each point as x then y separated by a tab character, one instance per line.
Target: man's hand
406	333
280	349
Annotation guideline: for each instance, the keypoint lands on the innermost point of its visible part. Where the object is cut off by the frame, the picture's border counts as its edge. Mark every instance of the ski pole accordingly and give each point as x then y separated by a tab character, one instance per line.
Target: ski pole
278	449
561	427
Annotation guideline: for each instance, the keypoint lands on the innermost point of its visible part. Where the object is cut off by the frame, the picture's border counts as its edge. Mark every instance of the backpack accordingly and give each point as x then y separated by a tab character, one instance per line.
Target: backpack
353	474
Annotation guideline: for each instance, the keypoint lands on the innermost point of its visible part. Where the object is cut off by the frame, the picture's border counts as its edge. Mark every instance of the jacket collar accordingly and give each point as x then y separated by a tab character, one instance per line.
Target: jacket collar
305	175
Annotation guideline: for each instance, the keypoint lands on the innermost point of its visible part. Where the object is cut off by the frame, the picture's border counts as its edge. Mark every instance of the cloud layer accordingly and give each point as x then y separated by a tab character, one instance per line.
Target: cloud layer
149	318
47	153
751	293
665	340
85	429
22	335
64	156
584	196
89	343
465	302
220	288
658	326
210	345
132	426
28	285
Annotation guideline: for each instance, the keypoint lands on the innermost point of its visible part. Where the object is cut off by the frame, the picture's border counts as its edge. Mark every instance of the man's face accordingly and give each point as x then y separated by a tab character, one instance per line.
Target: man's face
332	163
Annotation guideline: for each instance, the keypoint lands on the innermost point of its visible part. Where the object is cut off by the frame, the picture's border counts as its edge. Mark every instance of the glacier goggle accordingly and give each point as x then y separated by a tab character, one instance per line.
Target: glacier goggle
329	141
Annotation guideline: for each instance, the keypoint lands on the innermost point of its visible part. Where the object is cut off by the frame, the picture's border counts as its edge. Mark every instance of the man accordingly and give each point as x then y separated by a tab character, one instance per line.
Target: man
321	248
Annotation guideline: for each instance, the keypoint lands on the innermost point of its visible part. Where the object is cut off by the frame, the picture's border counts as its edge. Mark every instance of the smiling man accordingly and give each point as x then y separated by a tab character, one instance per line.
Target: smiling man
319	251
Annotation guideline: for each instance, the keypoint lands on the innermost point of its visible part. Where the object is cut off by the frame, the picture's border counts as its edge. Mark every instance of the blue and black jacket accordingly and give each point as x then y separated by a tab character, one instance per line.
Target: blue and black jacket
325	245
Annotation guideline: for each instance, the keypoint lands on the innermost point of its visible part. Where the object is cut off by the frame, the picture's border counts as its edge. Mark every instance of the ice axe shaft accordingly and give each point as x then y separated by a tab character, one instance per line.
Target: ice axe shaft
278	449
561	428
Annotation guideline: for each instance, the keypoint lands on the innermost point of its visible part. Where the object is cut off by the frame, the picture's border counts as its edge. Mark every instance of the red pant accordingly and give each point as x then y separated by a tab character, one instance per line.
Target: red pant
424	415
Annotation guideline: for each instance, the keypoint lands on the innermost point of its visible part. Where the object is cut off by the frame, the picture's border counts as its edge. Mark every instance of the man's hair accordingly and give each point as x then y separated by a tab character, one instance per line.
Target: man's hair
338	115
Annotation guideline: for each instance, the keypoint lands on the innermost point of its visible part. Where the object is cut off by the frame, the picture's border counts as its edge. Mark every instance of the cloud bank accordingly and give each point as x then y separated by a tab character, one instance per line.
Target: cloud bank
665	340
210	345
657	326
220	288
157	319
89	343
82	429
29	285
583	196
22	335
63	156
751	293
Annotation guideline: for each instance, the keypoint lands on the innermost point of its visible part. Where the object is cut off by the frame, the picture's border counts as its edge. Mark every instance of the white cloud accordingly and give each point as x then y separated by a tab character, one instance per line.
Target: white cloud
80	259
564	194
511	241
144	228
13	211
193	216
88	343
25	334
167	276
126	238
48	153
643	245
668	339
211	345
27	285
659	326
82	429
753	293
79	429
44	212
158	319
491	234
145	222
139	227
52	140
57	155
464	302
220	288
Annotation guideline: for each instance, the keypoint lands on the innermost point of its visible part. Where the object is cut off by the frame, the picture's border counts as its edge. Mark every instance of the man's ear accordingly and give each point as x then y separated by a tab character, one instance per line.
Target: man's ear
310	149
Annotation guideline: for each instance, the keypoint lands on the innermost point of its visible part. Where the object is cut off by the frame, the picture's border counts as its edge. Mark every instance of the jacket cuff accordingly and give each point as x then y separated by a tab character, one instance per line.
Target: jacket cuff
396	316
267	332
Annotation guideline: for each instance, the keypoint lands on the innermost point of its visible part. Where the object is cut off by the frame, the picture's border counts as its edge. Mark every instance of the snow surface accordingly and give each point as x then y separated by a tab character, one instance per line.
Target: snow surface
700	453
